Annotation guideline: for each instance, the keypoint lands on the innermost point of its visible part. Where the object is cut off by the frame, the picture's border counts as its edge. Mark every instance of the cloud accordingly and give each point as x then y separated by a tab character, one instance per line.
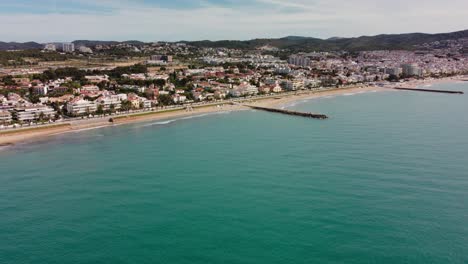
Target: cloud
209	19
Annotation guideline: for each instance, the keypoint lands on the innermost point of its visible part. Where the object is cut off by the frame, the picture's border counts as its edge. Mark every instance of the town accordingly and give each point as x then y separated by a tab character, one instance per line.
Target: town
96	80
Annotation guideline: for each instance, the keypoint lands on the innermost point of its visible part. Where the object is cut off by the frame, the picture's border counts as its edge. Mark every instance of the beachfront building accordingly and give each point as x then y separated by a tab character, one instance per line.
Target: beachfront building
293	85
243	90
80	106
411	70
109	102
5	117
33	113
178	98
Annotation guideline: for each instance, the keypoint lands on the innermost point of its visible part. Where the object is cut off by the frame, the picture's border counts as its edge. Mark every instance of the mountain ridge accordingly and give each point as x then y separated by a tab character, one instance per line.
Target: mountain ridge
405	41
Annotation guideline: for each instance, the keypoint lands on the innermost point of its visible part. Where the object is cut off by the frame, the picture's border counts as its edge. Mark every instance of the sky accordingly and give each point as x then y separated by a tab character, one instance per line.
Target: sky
173	20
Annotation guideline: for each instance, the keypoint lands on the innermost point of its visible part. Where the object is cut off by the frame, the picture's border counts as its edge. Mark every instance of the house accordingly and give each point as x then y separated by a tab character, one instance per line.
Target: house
177	98
276	88
89	89
264	89
220	94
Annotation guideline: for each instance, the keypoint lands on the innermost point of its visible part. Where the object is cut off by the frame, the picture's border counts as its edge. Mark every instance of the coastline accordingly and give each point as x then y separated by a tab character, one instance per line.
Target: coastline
10	138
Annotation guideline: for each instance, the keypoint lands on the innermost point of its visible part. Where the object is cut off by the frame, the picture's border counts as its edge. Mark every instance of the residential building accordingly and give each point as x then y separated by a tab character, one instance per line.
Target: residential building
68	47
32	113
5	117
109	102
80	106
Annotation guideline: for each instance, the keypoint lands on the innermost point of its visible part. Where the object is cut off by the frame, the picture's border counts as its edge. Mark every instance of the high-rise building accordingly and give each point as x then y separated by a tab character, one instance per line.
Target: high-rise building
411	70
68	47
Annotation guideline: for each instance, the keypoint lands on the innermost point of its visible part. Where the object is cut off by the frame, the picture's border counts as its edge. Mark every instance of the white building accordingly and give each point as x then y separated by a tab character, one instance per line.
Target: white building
31	113
179	98
80	106
68	47
108	101
50	47
84	49
293	85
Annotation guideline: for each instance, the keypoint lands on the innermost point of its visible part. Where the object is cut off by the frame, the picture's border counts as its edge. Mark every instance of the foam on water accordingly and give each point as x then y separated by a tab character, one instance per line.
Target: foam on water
166	122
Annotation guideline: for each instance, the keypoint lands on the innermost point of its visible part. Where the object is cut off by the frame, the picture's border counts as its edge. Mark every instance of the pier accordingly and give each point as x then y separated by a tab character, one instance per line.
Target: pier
288	112
429	90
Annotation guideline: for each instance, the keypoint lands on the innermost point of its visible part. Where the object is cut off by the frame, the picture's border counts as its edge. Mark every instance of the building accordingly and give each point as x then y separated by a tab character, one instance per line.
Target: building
411	70
395	71
32	113
110	102
164	58
293	85
68	47
177	98
5	117
84	49
80	106
160	59
50	47
299	60
97	79
40	90
89	89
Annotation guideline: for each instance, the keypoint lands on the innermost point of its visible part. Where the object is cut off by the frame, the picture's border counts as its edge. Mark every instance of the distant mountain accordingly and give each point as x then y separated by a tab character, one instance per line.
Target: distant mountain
379	42
334	38
292	43
20	46
93	43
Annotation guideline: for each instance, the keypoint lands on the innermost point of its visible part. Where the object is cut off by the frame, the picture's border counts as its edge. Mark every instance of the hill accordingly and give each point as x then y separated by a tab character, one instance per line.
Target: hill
292	43
379	42
20	46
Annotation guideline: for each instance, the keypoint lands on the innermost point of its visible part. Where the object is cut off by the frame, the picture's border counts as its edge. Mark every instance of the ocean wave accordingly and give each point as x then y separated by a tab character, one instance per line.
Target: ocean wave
86	129
166	122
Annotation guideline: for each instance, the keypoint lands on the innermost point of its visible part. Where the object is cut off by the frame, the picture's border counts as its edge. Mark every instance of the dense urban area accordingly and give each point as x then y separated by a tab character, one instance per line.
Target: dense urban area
85	80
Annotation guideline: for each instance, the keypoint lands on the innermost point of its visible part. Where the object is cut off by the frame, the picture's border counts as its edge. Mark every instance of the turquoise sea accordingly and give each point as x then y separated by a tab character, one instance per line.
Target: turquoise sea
384	180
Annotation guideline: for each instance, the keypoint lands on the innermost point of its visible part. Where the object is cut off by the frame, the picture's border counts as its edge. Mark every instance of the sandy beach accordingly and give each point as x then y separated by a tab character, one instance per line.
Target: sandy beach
28	135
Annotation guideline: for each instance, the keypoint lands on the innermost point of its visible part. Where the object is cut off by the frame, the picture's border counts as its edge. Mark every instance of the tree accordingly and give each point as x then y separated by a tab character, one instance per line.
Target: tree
100	110
112	108
126	105
165	99
41	116
160	82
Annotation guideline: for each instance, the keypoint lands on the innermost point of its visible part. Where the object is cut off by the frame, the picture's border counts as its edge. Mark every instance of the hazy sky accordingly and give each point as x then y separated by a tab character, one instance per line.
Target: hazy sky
151	20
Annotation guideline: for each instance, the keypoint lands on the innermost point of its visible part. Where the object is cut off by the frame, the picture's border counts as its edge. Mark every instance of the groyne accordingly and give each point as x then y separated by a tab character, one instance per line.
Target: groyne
429	90
288	112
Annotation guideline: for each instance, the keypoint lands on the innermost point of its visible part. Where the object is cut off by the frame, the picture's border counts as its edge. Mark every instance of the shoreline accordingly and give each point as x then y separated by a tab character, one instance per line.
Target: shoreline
11	138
